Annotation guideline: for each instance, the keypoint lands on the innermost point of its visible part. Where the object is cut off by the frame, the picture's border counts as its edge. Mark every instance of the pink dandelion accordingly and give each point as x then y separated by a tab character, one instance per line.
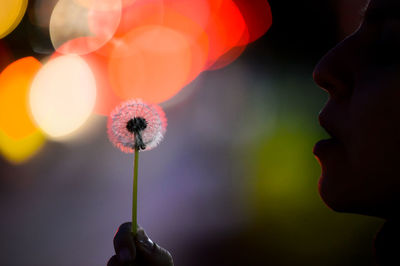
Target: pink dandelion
134	126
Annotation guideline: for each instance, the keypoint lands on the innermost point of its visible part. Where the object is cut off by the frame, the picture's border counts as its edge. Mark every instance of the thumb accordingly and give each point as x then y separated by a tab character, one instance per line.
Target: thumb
149	253
124	244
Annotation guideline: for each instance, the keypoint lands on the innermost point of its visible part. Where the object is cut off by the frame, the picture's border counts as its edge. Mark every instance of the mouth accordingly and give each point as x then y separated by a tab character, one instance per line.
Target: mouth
324	146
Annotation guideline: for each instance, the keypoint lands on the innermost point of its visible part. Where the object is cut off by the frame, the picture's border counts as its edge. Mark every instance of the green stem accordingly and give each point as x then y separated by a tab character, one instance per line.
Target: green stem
134	194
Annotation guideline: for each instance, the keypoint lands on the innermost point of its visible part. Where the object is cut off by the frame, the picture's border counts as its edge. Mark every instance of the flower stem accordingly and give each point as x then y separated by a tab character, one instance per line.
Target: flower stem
134	194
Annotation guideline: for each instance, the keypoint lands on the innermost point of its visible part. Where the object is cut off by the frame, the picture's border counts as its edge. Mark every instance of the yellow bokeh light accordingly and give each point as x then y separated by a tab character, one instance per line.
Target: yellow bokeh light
11	13
18	151
62	95
15	82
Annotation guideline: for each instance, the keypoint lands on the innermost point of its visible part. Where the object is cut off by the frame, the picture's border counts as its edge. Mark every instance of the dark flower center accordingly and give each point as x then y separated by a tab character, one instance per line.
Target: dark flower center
136	124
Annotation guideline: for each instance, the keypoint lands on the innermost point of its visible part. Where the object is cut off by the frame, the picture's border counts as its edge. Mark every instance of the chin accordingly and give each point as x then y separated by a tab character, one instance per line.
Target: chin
341	195
344	187
333	197
335	183
340	189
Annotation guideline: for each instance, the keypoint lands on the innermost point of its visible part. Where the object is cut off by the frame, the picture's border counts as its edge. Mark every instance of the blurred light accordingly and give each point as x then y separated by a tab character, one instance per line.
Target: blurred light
19	137
63	95
40	12
225	30
195	36
197	10
19	150
158	46
228	58
152	63
15	81
140	13
106	99
258	17
70	21
102	3
37	25
11	13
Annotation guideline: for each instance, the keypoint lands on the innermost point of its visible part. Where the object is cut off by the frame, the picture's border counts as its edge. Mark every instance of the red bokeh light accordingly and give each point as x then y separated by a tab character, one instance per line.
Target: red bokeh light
258	17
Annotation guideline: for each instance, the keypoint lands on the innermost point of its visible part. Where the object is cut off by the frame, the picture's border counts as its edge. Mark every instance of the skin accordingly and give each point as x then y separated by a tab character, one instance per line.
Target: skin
137	250
360	164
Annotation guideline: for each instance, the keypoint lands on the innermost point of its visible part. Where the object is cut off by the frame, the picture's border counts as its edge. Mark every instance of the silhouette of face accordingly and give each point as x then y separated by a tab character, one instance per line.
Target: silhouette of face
361	162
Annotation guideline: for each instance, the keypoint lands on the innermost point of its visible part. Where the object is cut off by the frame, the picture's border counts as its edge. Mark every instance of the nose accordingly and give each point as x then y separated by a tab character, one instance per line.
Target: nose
335	71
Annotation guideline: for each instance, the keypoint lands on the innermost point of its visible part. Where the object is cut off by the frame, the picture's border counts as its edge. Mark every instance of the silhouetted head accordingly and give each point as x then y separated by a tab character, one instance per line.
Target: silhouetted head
361	162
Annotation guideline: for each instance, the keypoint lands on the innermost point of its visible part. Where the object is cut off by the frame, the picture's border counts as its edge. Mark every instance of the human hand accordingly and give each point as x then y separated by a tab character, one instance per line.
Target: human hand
137	250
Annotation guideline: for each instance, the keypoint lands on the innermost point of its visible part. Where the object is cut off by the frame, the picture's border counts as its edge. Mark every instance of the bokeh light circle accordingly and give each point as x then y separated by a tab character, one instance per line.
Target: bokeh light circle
18	151
225	30
195	36
15	81
20	139
106	99
11	13
152	63
63	95
97	21
198	11
140	13
258	17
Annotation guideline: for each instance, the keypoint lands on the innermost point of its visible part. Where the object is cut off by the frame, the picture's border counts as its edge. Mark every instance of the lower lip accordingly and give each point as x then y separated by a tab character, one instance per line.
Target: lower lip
324	146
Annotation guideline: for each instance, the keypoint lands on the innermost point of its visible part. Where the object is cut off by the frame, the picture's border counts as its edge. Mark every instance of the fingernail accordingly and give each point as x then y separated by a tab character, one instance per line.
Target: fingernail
125	255
144	241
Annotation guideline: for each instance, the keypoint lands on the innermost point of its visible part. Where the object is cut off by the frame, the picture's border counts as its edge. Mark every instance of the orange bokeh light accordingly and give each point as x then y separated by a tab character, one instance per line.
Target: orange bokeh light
198	11
15	80
195	36
152	63
106	99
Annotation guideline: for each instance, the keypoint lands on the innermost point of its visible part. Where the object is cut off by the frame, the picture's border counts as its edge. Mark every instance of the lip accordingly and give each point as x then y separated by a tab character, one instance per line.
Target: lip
324	146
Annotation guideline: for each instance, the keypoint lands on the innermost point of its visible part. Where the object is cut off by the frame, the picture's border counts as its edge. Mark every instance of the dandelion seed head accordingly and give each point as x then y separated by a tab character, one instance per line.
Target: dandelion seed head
136	124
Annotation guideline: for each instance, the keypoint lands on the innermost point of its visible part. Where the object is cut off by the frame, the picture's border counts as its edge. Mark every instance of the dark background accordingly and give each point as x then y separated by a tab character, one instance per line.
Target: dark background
233	183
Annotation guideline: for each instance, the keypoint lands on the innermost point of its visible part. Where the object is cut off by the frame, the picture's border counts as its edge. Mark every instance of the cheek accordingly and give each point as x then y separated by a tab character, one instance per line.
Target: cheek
374	123
337	184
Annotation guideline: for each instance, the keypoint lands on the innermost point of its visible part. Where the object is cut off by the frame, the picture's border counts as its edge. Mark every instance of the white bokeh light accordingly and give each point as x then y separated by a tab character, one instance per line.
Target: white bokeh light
62	95
81	27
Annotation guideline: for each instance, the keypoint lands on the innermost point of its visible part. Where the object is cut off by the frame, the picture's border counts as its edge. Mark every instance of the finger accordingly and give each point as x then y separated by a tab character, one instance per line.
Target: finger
114	261
149	253
124	244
